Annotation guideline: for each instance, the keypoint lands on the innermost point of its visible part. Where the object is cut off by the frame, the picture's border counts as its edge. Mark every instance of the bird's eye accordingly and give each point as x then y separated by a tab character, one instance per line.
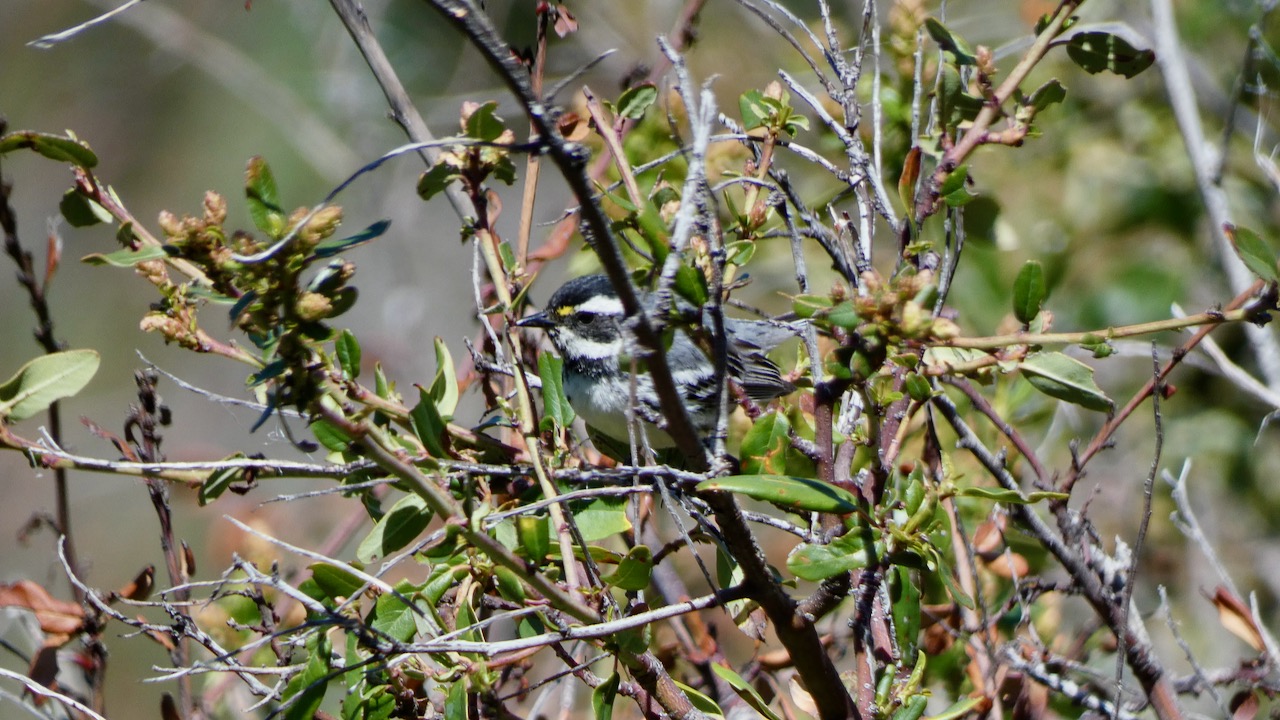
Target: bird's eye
586	318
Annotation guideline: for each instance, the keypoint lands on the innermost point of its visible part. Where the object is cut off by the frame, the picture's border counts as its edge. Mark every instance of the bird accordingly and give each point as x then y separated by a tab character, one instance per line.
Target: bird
585	321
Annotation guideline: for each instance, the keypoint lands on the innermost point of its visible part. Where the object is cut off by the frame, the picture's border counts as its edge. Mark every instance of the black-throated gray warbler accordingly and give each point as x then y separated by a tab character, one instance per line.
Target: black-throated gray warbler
585	321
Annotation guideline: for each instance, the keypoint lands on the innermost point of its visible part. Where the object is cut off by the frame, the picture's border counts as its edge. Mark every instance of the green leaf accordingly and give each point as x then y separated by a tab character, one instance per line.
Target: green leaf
603	696
45	380
1256	253
844	315
54	147
306	689
126	257
1029	292
764	447
601	518
555	405
434	181
263	198
753	108
484	124
1010	497
950	42
534	535
348	350
808	306
819	562
392	616
80	211
904	601
634	571
1050	93
1098	51
912	709
793	492
635	100
218	481
330	436
691	284
958	709
700	701
428	425
444	387
332	246
404	522
455	703
1065	378
745	691
336	583
955	189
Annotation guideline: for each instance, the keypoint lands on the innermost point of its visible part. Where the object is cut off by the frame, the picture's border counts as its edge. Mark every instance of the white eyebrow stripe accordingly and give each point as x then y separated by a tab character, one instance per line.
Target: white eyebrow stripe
600	304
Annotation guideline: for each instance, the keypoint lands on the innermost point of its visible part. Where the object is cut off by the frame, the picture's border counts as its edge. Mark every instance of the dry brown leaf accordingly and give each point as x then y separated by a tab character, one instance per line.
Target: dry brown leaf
141	586
57	617
1009	565
1236	618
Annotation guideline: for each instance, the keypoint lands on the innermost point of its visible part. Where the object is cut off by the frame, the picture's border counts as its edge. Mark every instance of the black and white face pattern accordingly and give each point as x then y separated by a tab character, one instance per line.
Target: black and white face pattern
585	321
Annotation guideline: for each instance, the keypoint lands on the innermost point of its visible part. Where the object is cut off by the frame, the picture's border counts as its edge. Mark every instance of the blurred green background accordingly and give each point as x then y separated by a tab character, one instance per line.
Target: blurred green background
175	97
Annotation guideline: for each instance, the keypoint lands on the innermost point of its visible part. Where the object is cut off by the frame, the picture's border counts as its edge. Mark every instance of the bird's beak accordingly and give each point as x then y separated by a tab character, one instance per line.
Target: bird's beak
538	320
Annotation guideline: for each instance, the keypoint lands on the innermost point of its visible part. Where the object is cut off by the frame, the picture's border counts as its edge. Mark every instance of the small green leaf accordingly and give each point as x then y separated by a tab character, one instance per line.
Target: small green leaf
219	480
337	583
602	698
484	124
955	190
635	100
126	257
819	562
392	616
753	108
950	42
263	198
80	211
1256	253
348	350
330	436
844	315
808	306
556	407
634	570
745	691
958	709
764	447
444	387
1029	292
428	425
1098	51
1065	378
700	701
601	518
691	284
54	147
1050	93
912	709
434	181
45	380
305	692
404	522
1010	497
332	246
793	492
534	535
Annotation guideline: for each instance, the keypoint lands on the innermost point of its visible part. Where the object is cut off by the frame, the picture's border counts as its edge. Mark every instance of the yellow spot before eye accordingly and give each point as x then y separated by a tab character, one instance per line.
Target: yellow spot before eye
564	311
